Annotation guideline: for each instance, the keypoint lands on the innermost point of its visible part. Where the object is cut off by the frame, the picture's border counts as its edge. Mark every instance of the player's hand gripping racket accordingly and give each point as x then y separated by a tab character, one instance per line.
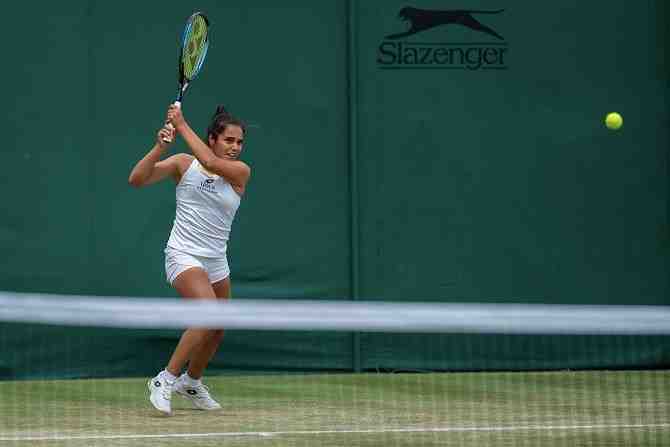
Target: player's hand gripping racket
192	54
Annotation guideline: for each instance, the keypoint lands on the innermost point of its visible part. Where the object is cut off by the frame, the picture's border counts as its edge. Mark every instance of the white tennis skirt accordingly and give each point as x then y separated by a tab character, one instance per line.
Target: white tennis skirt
177	261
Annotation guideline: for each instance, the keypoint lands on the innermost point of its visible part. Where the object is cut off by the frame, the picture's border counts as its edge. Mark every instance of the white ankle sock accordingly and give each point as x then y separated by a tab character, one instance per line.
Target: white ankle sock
190	380
167	375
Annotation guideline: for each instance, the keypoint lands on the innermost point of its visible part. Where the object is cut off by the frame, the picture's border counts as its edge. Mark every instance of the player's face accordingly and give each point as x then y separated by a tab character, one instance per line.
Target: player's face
229	143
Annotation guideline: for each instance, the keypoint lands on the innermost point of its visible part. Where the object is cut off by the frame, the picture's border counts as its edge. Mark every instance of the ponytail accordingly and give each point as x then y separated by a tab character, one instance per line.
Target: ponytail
220	110
222	119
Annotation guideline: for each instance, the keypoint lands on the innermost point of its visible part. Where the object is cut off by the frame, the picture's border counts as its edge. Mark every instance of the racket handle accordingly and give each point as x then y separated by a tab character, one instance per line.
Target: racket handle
170	126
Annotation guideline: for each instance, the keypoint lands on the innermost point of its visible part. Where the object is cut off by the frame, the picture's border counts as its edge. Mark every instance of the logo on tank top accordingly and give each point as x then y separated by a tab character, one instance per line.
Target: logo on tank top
207	185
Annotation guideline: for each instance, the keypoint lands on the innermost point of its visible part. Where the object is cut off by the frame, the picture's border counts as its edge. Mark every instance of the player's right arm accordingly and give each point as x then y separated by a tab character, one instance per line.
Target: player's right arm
151	169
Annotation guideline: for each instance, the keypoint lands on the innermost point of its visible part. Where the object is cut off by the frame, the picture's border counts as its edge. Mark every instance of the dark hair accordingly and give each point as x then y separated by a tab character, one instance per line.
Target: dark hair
222	119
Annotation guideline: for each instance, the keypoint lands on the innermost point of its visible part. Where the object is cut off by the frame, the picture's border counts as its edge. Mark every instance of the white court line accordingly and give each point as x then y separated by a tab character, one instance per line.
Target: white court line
329	432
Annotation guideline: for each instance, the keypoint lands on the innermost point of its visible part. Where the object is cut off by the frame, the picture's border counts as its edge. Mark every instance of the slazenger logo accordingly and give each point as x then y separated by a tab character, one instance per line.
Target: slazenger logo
396	52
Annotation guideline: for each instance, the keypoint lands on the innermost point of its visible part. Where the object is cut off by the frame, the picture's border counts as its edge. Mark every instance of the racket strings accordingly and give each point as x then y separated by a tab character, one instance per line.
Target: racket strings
195	46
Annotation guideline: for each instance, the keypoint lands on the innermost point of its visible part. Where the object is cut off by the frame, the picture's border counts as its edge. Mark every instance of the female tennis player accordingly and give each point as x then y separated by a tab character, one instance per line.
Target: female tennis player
210	184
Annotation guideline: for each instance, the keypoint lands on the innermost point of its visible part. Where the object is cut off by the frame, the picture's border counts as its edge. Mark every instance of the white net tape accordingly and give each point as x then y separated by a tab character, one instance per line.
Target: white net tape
363	316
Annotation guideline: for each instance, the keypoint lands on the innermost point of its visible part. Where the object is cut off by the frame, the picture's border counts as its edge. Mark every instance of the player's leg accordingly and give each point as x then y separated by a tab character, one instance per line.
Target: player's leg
192	282
190	385
202	355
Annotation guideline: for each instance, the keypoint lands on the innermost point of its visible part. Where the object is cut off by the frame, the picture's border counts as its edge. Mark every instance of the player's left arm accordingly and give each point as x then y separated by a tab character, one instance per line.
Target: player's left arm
236	172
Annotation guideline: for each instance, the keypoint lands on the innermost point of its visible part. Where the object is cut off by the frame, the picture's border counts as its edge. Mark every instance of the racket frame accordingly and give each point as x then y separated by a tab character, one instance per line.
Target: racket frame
183	81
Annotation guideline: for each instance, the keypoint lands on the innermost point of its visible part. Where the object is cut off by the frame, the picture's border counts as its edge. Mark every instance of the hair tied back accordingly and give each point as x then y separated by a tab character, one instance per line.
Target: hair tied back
221	112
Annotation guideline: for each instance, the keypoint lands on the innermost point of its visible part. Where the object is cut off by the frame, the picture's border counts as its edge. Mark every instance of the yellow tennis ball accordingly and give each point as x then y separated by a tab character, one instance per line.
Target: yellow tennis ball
613	121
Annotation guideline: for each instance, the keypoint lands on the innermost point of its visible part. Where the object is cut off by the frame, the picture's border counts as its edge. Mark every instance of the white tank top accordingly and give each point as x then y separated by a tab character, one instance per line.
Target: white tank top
206	207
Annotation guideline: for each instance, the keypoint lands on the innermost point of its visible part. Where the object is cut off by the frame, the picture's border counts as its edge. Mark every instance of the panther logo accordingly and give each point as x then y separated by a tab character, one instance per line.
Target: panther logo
424	19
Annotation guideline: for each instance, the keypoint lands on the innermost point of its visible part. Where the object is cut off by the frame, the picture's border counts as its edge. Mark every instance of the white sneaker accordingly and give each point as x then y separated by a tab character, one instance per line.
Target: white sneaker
197	393
161	393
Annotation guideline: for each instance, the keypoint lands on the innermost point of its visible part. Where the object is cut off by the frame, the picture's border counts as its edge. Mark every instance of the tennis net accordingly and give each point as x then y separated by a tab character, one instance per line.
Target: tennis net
74	371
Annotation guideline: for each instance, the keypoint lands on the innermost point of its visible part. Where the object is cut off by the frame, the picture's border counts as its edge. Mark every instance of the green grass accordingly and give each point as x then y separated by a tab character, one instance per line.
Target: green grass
468	409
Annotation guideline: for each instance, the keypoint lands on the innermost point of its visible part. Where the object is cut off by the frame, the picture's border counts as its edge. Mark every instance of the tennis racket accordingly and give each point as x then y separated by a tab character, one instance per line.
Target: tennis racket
194	44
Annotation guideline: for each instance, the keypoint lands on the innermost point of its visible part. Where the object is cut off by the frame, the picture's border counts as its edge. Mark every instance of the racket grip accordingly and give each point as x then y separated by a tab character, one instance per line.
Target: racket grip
170	126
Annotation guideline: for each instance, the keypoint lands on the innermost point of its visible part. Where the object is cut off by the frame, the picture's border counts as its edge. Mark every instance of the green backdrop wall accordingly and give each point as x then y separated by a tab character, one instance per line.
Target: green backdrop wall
376	175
